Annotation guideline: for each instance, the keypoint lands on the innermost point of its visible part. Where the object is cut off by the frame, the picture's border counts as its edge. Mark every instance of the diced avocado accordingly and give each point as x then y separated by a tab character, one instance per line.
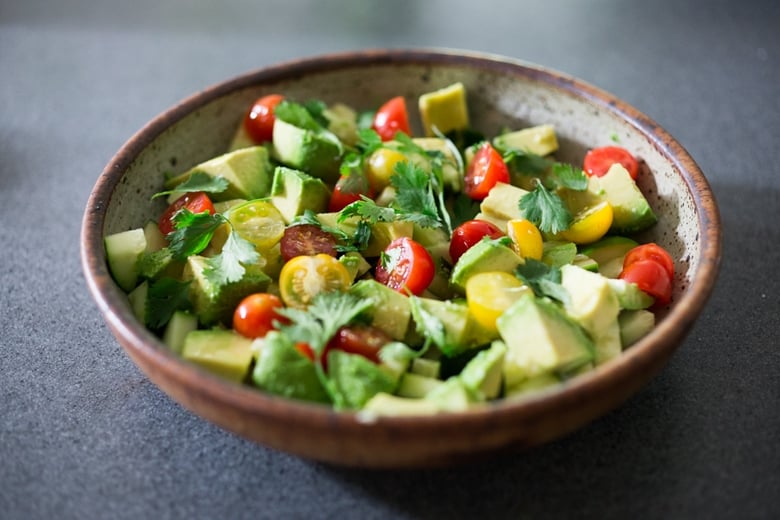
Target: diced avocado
451	396
356	265
482	375
356	379
557	254
314	152
384	404
460	330
426	367
293	191
450	170
609	253
416	385
531	385
634	325
631	212
177	329
138	298
158	264
281	370
223	352
246	170
444	109
155	240
342	121
540	338
241	138
486	255
585	262
629	295
123	253
539	140
396	357
607	342
503	202
213	304
500	223
390	310
382	233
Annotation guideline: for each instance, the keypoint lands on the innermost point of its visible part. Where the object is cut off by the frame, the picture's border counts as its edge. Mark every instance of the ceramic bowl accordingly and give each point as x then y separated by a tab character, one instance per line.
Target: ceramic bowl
502	92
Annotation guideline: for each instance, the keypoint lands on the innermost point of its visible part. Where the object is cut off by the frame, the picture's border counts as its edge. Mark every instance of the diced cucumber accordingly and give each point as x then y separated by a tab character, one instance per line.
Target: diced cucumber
181	324
123	251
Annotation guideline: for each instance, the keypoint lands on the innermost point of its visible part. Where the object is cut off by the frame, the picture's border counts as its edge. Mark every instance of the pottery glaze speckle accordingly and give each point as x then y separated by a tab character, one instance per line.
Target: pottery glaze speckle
502	93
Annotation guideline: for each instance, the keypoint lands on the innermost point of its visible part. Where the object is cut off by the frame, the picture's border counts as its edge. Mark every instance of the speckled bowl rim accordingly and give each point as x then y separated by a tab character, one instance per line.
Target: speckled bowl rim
651	352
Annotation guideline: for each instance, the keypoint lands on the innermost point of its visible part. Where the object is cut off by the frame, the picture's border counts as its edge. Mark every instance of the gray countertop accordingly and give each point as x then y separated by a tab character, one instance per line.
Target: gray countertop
84	434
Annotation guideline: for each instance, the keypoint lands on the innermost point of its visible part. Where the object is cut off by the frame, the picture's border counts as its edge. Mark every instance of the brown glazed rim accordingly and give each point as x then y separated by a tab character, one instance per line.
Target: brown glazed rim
140	343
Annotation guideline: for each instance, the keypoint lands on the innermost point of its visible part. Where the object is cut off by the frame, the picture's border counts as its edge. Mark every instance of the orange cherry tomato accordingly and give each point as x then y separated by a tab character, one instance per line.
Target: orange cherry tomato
392	117
254	317
259	121
598	161
651	277
196	202
468	234
405	265
650	251
347	190
485	170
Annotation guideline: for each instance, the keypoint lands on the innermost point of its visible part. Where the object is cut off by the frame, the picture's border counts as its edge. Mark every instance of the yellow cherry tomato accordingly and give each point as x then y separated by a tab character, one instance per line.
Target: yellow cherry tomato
381	166
303	277
526	238
589	224
489	294
259	222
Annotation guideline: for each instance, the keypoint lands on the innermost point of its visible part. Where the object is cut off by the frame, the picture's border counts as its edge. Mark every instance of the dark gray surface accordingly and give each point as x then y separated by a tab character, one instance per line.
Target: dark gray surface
83	434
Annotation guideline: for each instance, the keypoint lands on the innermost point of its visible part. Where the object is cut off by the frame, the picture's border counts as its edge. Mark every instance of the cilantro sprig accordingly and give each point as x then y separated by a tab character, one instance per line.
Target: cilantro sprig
198	181
164	297
545	209
544	280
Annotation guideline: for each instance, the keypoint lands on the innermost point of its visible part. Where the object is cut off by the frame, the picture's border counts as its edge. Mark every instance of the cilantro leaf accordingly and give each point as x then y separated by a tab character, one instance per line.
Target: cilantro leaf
368	141
193	232
567	176
198	181
414	198
297	115
368	210
545	209
317	108
228	266
463	208
544	280
164	297
428	325
524	162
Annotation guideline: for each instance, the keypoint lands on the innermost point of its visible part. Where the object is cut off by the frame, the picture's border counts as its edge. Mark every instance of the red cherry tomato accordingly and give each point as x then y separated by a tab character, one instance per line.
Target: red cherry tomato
363	340
254	317
259	121
485	170
651	277
650	251
305	349
347	190
598	161
306	240
392	117
468	234
406	266
197	202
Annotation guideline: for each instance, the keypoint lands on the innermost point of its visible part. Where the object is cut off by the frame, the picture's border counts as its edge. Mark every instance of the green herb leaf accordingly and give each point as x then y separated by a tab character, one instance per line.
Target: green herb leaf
317	108
567	176
428	325
368	210
198	181
228	266
463	208
165	296
368	141
193	232
525	163
545	209
365	120
542	279
414	198
296	115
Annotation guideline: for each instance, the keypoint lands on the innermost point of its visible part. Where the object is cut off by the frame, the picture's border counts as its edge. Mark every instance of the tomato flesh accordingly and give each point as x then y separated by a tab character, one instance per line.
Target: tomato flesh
363	340
196	202
651	277
391	118
598	161
485	170
406	266
254	317
650	251
468	234
306	240
259	120
347	190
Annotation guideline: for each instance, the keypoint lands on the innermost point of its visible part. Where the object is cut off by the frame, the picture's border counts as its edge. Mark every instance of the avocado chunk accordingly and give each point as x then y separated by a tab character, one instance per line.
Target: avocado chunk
557	254
318	153
503	203
123	253
356	379
241	138
444	109
426	367
396	357
246	170
416	386
531	385
609	253
483	374
177	329
459	330
281	370
384	404
293	191
223	352
214	304
451	396
541	338
631	211
634	325
484	256
342	121
629	295
450	170
539	140
390	310
382	233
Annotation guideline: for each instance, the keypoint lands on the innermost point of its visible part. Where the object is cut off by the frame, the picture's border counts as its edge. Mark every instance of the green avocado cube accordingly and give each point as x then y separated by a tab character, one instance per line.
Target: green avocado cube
294	191
485	256
223	352
356	379
390	310
317	153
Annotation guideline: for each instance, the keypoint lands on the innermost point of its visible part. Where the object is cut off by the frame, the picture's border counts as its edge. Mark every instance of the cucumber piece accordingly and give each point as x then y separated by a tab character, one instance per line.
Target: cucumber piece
416	385
137	299
634	325
123	251
177	329
426	367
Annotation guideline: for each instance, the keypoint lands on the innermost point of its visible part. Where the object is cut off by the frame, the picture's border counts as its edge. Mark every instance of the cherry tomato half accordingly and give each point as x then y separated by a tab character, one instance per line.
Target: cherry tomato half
259	121
598	161
306	239
405	265
197	202
651	277
468	234
485	170
392	117
347	190
364	340
303	277
254	317
651	251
